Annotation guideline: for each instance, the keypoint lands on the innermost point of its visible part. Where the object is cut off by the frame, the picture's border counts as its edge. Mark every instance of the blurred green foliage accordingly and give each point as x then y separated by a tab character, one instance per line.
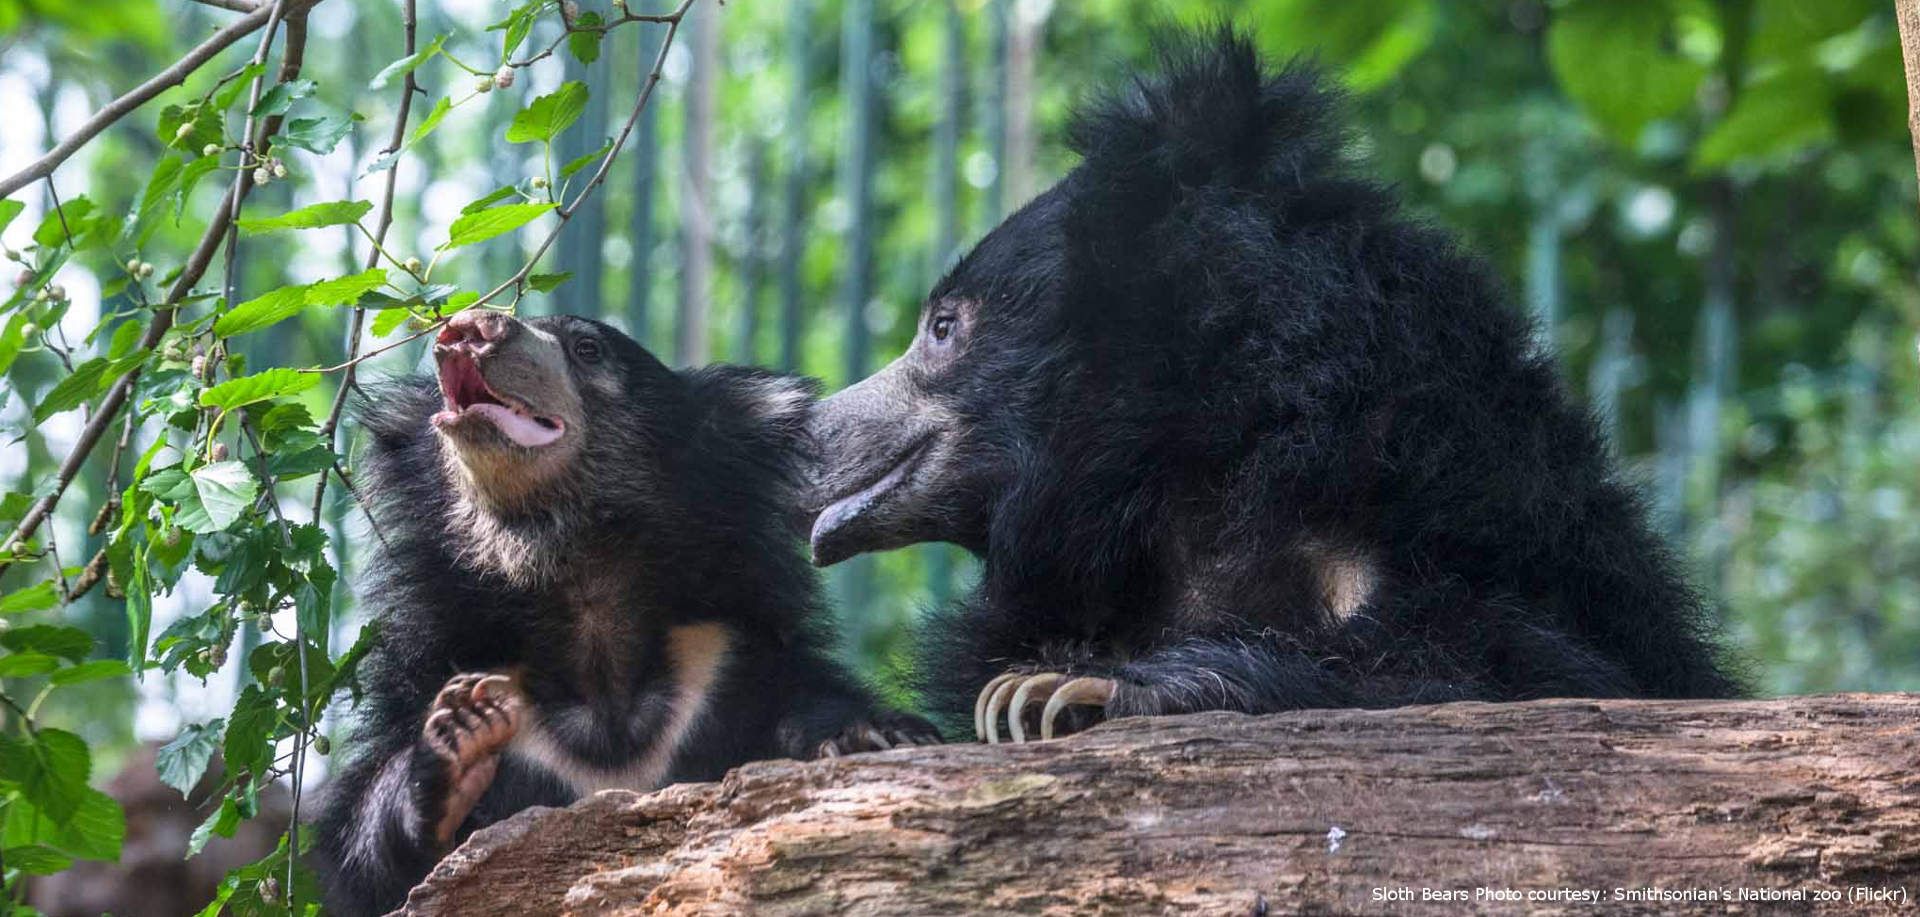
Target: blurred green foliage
1707	205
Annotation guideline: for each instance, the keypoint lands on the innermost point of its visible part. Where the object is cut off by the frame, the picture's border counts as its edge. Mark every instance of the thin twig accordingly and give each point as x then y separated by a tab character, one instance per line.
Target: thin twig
238	6
410	26
138	96
565	213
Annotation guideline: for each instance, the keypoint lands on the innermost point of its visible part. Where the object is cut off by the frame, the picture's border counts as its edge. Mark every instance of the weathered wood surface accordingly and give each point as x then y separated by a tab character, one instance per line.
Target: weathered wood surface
1317	811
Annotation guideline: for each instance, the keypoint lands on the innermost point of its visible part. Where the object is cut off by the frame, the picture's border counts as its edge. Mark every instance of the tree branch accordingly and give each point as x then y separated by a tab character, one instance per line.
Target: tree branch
140	95
672	21
190	274
410	25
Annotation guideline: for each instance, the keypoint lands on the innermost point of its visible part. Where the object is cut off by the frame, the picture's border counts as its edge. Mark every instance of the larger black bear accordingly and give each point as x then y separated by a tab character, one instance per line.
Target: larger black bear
1231	433
588	577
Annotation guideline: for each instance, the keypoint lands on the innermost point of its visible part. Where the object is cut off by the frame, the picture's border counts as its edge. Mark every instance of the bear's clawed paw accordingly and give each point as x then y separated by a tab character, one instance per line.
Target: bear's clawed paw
1013	693
879	732
471	721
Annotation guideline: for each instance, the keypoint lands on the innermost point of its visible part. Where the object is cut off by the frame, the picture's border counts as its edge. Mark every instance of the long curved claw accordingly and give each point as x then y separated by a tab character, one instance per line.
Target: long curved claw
1042	685
1083	691
980	704
995	704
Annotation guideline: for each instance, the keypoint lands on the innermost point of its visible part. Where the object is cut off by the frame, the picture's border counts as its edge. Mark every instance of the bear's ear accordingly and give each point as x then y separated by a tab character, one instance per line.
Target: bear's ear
775	400
1211	117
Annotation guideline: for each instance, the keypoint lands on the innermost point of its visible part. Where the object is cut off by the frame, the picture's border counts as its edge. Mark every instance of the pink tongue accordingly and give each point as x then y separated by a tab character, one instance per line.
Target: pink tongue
519	428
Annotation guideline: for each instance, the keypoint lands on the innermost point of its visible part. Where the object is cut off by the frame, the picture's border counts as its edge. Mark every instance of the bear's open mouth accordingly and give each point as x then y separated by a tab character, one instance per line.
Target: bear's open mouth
871	492
468	395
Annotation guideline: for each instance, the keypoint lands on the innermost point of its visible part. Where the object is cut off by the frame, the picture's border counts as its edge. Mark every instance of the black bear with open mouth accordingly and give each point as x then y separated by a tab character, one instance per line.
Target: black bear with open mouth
1230	433
588	576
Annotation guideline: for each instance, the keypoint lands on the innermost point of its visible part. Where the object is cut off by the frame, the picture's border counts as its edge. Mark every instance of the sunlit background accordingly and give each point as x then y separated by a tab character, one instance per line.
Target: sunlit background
1708	206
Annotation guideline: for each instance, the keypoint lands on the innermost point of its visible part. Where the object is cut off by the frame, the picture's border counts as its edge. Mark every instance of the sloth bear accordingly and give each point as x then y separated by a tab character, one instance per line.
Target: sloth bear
589	577
1230	433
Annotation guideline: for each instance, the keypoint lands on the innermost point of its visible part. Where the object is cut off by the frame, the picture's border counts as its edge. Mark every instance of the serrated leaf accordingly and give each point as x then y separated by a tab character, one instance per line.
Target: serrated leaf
548	115
221	821
94	831
312	216
482	225
71	643
279	99
406	65
517	25
261	311
261	386
248	745
91	670
183	761
58	770
226	489
343	291
36	597
318	135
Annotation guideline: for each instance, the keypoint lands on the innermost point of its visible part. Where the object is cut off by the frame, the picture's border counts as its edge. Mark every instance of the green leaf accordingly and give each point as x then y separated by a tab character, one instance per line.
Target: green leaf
343	291
545	283
387	320
279	99
1609	57
87	380
517	25
237	84
36	859
493	197
549	114
54	640
248	746
94	831
27	665
581	162
585	45
36	597
261	386
432	121
183	761
263	310
318	135
1774	117
57	767
482	225
406	65
221	822
226	489
312	216
9	209
92	670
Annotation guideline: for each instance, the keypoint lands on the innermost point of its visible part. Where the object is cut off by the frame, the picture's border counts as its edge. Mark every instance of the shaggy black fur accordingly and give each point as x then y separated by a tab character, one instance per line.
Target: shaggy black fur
676	511
1243	437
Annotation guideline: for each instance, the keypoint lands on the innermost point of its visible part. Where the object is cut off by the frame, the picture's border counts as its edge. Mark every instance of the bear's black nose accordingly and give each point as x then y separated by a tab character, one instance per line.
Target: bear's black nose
478	326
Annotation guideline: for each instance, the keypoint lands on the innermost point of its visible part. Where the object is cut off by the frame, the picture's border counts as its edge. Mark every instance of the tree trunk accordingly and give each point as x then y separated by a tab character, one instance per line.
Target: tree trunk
1908	14
1679	806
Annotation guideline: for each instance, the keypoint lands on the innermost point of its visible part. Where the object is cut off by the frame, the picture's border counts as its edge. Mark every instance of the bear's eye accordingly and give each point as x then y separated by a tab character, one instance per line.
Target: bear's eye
942	327
587	349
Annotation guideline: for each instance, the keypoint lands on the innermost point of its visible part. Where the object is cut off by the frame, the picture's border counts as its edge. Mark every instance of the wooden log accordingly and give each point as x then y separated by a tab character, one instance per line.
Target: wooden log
1802	804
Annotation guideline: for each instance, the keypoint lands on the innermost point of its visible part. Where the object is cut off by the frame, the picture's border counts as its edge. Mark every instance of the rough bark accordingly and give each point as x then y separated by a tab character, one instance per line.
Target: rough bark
1229	814
1907	14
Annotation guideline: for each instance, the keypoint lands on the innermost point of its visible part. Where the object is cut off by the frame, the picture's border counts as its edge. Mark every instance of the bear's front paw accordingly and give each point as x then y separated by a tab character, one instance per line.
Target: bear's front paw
1015	692
471	721
879	732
